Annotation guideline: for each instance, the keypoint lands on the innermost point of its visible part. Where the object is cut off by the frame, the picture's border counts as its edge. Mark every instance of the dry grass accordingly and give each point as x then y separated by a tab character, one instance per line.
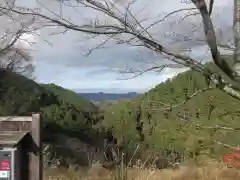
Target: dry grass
202	168
211	171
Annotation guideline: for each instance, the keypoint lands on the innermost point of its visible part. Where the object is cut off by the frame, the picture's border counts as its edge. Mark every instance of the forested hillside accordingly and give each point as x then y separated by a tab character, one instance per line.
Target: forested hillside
62	110
177	117
71	97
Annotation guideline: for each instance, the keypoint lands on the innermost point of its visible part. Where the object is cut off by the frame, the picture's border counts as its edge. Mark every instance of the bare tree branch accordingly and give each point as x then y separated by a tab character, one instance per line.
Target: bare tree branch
128	27
210	7
165	17
131	27
211	39
189	15
113	29
157	69
185	100
217	127
13	55
226	145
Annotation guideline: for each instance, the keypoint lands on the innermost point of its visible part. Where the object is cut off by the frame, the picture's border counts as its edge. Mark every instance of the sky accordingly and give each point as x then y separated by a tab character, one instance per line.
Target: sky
60	59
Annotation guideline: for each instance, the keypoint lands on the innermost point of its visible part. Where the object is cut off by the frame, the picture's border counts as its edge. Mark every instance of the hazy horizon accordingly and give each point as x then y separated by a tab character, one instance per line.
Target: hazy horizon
109	90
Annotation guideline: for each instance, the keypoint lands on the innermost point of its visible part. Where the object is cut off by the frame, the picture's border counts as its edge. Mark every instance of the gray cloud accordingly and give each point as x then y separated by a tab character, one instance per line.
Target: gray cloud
120	56
66	54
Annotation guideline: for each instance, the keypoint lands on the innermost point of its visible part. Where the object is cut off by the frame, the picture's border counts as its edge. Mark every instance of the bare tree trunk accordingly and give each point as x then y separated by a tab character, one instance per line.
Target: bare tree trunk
236	26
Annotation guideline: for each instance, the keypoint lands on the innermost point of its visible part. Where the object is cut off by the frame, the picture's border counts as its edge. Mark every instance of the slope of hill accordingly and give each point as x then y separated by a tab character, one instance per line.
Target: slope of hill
162	123
71	97
62	112
108	96
21	96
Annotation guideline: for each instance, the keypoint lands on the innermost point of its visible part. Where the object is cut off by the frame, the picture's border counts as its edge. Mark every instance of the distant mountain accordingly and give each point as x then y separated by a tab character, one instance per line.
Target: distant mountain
111	90
108	96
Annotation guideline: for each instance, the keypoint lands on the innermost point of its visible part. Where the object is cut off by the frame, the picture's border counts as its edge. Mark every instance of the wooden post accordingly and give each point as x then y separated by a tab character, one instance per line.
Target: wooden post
36	157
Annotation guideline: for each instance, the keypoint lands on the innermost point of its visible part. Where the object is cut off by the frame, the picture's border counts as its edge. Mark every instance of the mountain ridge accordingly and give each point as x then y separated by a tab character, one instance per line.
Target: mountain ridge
101	96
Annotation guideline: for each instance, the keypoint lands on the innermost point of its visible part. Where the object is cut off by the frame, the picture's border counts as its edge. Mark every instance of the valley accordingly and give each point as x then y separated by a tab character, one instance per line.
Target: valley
151	124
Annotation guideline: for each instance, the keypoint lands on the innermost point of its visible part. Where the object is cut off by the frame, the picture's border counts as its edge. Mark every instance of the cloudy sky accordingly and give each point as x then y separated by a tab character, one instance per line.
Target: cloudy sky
64	63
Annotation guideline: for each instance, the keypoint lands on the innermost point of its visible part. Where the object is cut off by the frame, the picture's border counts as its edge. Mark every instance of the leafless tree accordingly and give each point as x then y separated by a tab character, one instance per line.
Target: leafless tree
124	26
16	38
236	23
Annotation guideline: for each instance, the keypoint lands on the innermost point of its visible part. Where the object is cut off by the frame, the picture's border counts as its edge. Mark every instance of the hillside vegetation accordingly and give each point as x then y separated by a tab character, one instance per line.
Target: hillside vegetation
158	120
63	111
71	97
162	123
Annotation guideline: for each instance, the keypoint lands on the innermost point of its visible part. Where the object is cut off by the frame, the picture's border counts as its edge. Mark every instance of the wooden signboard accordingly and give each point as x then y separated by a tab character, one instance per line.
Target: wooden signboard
32	124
